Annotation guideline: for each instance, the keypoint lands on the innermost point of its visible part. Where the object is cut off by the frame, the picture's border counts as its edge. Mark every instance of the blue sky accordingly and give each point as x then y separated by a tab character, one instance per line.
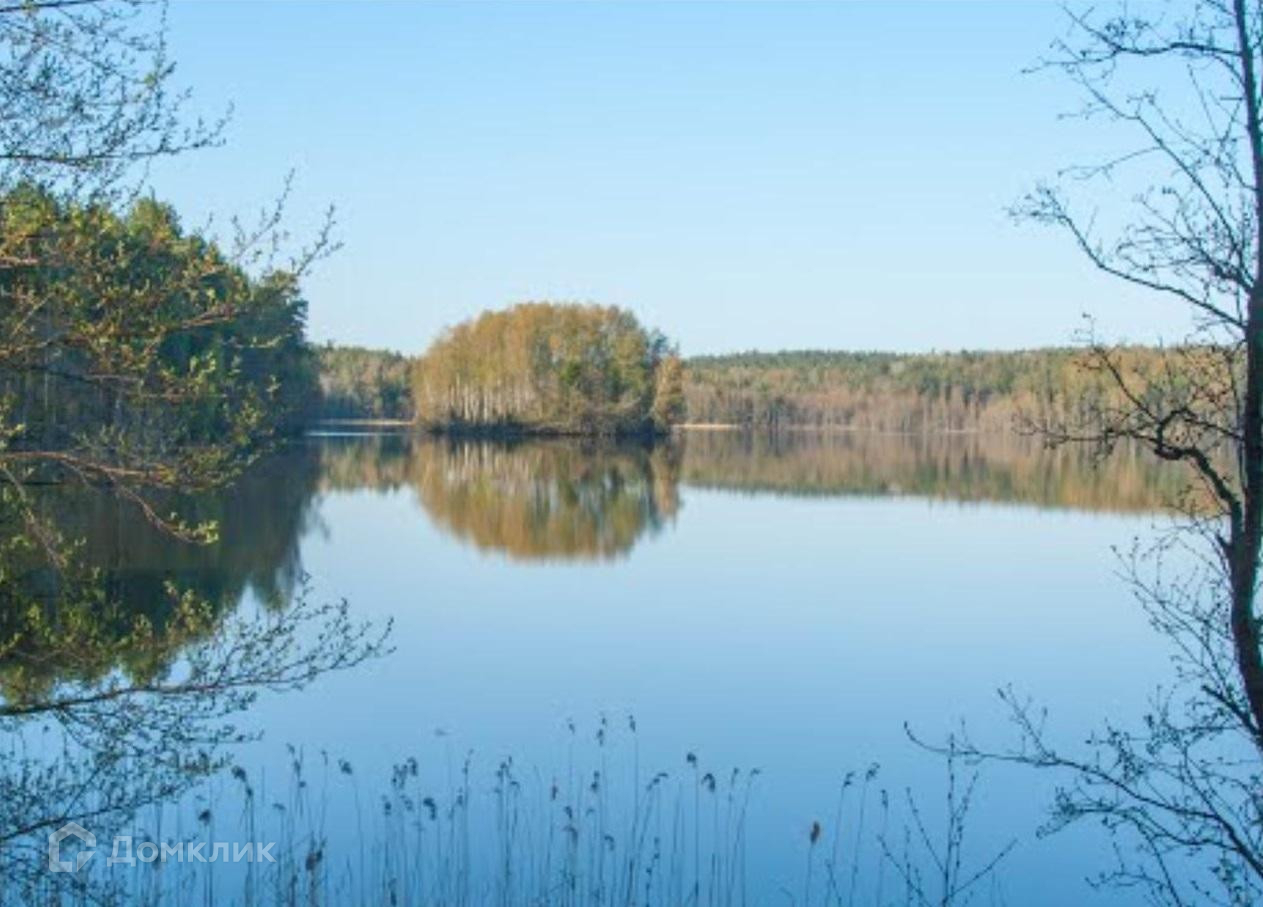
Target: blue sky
741	175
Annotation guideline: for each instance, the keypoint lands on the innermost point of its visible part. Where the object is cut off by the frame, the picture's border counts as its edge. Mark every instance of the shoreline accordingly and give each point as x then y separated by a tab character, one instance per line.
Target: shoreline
365	423
503	433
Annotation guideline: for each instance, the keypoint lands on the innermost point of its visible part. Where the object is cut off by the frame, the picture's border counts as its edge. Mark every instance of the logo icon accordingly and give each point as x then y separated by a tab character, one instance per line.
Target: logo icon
70	830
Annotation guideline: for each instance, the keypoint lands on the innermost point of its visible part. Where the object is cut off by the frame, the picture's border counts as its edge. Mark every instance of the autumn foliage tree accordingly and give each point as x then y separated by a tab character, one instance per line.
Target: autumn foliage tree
552	369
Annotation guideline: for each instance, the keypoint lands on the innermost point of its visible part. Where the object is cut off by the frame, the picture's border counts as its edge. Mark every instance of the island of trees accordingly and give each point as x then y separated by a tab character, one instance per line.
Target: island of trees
544	368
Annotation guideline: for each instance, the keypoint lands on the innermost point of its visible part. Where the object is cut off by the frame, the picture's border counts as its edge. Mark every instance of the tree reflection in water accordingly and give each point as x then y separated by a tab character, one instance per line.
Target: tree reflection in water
548	501
126	661
994	468
123	673
531	500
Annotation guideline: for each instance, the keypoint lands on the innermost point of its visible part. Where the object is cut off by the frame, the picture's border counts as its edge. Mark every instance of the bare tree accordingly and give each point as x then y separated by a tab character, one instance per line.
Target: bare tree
1197	235
1179	85
87	94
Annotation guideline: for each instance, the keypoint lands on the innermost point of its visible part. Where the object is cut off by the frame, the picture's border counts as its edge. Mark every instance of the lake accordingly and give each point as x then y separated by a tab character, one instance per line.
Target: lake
600	613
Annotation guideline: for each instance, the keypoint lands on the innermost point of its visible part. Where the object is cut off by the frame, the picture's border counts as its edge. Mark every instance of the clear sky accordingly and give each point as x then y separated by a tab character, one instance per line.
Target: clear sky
741	175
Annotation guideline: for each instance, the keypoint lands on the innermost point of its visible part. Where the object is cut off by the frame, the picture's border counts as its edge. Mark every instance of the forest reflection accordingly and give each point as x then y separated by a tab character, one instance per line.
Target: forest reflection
125	622
126	661
983	468
547	500
144	681
540	500
562	499
124	569
568	500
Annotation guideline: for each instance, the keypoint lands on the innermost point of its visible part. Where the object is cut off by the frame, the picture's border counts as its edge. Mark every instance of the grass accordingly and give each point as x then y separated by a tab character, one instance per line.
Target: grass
598	833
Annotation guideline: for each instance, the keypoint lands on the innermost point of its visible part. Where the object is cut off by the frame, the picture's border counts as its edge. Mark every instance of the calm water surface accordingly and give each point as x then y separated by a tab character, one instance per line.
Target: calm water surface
786	604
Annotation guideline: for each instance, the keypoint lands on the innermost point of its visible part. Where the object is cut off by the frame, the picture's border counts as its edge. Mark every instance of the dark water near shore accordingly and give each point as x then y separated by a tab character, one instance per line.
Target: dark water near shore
783	603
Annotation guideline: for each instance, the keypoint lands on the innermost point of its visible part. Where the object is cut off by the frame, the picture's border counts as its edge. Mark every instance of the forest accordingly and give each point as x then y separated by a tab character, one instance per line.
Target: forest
81	275
140	362
550	368
221	334
358	383
129	346
929	392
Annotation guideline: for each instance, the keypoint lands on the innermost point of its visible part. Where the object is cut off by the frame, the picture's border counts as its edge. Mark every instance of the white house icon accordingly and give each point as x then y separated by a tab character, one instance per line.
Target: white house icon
70	830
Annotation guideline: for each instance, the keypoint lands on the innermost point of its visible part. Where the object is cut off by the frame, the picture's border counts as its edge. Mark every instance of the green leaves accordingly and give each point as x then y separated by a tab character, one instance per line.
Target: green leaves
136	357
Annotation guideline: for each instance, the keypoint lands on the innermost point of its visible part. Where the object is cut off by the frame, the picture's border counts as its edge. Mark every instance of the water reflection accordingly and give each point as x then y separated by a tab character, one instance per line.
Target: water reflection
260	520
126	662
92	665
566	500
531	501
124	570
537	501
951	467
551	500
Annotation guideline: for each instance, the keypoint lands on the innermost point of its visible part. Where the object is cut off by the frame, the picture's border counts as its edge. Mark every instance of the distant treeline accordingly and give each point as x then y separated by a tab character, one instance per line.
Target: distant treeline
872	391
359	383
966	391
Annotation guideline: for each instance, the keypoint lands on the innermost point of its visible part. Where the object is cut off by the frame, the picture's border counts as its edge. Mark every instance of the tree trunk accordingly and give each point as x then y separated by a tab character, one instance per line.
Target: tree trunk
1248	534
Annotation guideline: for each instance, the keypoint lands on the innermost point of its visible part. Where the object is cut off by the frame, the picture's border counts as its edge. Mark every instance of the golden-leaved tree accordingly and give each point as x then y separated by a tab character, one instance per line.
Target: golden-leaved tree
550	368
